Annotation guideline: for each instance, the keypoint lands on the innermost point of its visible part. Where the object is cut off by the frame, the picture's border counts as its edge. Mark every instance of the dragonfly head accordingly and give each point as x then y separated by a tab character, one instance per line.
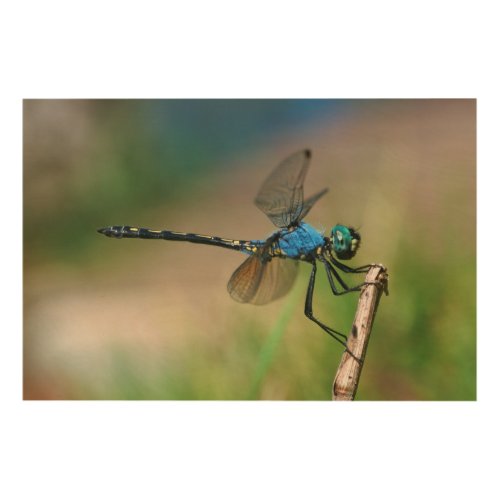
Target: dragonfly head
346	241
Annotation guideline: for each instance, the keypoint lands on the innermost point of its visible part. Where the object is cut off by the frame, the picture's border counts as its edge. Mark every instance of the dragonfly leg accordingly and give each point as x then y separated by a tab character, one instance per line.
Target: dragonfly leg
330	270
347	269
308	310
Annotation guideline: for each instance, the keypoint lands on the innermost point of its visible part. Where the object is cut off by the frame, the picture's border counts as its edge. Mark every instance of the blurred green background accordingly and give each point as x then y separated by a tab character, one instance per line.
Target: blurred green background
132	319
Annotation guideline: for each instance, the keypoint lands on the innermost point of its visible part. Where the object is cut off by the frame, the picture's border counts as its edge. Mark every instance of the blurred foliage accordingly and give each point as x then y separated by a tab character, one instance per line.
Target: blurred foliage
115	321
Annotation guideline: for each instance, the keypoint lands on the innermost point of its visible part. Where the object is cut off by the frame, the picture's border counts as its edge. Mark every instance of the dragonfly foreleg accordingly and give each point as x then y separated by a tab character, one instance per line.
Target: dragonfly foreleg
331	272
345	268
308	310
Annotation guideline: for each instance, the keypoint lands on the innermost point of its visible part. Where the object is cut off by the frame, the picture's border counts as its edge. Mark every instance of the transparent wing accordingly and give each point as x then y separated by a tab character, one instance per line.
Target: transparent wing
308	204
258	282
281	196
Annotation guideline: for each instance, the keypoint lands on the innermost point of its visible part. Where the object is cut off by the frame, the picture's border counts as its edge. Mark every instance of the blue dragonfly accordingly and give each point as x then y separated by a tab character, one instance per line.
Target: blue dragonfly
271	267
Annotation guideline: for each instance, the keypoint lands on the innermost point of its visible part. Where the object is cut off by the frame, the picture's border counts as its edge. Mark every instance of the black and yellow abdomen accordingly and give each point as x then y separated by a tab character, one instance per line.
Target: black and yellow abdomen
151	234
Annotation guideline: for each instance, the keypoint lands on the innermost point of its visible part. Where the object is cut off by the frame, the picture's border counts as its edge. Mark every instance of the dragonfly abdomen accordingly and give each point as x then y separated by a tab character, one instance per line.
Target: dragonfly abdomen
151	234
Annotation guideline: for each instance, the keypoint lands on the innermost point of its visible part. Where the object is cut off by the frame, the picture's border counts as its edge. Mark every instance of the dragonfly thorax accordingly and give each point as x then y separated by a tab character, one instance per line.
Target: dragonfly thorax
299	242
345	241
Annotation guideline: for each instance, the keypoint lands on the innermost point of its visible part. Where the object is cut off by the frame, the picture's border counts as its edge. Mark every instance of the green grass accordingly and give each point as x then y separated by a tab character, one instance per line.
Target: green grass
270	347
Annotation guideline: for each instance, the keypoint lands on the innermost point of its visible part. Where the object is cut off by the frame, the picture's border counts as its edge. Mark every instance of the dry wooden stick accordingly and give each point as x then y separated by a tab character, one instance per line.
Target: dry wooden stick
346	380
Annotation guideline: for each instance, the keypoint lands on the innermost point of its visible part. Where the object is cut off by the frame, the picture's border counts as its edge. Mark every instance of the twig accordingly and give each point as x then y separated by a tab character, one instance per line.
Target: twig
346	380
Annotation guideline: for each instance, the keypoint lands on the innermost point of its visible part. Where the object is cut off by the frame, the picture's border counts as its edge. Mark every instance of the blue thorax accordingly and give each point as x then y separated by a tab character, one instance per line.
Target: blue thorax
293	243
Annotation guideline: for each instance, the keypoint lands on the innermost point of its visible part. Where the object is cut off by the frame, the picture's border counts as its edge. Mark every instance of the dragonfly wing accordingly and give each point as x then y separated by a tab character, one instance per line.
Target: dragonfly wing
258	282
277	279
308	204
281	196
244	282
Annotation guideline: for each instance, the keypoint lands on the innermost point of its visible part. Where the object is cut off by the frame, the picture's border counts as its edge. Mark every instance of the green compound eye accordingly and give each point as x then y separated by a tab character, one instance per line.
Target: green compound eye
346	241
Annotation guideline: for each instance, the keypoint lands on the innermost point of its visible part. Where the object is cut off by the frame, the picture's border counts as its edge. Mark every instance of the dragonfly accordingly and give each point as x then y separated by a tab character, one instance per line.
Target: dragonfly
271	266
